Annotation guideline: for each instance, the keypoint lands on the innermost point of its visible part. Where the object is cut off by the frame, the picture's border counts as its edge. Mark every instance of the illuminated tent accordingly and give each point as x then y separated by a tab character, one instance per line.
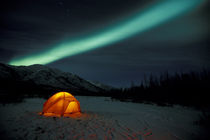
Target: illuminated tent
61	104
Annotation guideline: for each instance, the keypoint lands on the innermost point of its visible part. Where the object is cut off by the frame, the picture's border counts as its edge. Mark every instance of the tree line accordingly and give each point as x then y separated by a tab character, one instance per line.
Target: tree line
189	89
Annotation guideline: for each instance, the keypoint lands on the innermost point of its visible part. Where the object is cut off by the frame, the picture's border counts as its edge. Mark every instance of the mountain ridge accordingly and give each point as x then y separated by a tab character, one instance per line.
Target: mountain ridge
43	78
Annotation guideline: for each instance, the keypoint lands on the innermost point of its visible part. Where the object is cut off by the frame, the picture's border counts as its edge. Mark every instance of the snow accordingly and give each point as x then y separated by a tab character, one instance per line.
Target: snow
43	75
102	118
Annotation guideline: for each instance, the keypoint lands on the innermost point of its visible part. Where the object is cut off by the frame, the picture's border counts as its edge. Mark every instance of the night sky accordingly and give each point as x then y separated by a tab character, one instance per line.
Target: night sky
177	45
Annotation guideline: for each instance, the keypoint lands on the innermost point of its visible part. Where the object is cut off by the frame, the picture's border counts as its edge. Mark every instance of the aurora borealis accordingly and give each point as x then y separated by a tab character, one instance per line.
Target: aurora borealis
146	19
115	42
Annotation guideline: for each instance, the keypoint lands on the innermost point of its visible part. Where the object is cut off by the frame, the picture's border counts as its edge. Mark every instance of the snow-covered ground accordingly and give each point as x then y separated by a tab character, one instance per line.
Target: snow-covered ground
102	119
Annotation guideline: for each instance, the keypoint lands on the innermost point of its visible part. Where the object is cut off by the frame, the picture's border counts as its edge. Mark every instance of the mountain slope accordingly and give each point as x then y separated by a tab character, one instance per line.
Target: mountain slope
36	79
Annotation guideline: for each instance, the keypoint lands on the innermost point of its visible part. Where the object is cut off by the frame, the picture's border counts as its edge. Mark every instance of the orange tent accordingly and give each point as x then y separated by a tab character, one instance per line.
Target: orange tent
61	104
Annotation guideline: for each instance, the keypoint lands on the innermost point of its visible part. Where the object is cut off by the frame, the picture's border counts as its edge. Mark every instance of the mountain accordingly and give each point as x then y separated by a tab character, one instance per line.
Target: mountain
103	86
42	80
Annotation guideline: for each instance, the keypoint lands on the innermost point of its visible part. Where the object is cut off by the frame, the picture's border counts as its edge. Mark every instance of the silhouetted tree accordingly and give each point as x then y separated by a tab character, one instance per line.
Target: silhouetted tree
189	89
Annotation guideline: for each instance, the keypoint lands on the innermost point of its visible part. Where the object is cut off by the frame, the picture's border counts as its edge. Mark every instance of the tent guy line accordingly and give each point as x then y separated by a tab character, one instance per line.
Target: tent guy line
150	17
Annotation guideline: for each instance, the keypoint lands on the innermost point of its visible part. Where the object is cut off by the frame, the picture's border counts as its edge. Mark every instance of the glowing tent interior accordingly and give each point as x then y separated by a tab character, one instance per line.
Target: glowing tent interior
62	104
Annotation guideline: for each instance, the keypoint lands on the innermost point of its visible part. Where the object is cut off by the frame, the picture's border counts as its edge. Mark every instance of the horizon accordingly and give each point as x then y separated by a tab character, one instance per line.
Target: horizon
130	84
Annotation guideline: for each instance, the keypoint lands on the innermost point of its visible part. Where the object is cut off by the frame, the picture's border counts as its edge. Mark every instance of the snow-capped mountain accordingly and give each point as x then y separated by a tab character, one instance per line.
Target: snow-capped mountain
40	76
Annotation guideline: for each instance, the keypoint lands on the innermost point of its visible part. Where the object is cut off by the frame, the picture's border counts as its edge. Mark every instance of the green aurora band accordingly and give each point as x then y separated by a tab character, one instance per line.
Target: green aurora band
156	14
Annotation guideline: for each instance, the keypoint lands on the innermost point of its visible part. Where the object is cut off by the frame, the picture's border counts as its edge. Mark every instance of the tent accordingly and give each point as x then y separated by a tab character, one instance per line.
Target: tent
61	104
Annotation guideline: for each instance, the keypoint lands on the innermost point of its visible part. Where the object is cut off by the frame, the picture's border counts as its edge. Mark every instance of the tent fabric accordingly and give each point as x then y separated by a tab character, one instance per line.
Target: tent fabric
61	104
